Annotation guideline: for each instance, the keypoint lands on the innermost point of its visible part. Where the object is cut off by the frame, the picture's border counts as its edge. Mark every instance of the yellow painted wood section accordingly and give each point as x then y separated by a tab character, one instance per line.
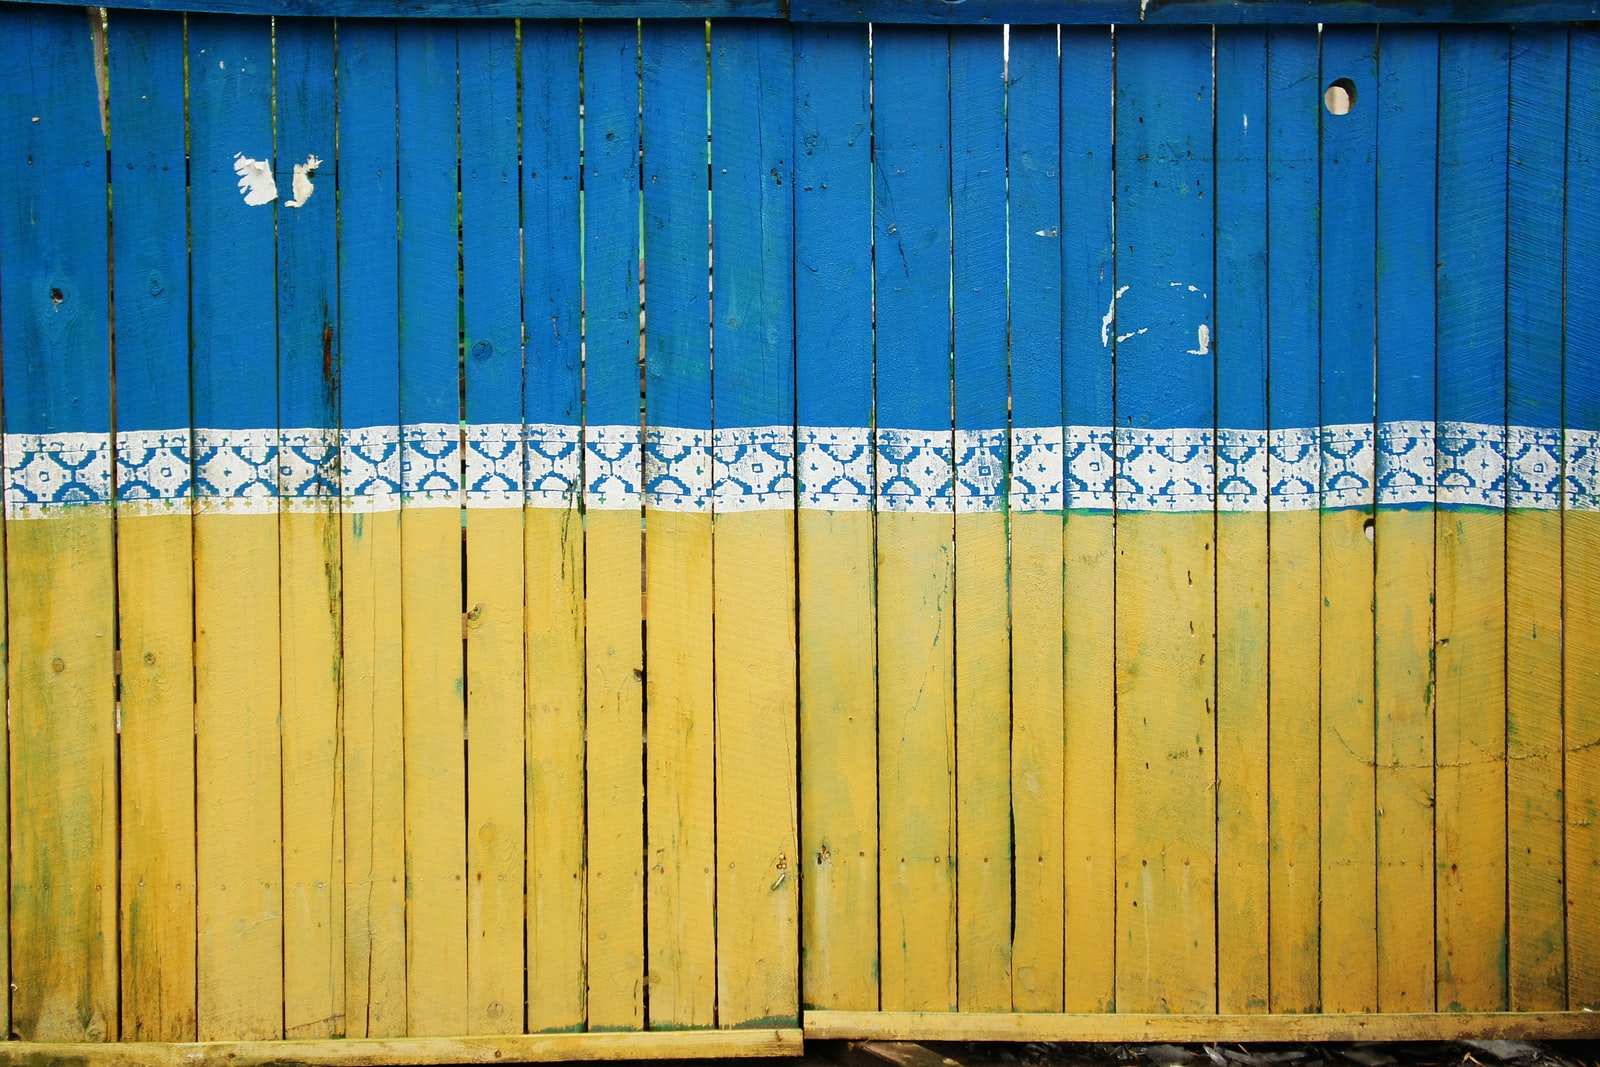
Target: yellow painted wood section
435	775
1534	854
916	762
1403	590
1166	763
496	778
681	851
155	600
421	1052
374	777
557	977
1294	868
1091	723
1349	818
238	777
1144	1028
1242	844
983	764
62	697
313	824
838	750
615	669
1037	778
1470	739
1580	557
758	877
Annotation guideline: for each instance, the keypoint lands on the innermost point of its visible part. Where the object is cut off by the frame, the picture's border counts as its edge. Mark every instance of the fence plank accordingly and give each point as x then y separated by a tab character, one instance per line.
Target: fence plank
155	590
834	525
237	668
916	724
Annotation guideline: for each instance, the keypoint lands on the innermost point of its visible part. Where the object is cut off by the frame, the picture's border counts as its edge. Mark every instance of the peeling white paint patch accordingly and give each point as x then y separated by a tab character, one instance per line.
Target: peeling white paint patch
303	173
1247	123
1051	232
255	180
1111	313
1121	337
1142	5
1203	348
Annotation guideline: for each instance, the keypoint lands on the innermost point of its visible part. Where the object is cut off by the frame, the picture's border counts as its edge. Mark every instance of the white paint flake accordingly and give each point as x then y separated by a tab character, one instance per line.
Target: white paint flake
1111	313
255	180
303	173
1203	348
1121	337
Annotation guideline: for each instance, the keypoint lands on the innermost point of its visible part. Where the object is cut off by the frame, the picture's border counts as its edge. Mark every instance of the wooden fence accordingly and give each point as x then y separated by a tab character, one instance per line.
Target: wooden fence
1130	569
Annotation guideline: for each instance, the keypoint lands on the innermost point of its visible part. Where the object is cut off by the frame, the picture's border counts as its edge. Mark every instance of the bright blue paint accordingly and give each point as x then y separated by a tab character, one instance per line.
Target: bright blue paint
1241	310
1294	109
1033	132
833	228
978	206
552	271
611	221
1581	377
752	197
490	217
149	247
1164	228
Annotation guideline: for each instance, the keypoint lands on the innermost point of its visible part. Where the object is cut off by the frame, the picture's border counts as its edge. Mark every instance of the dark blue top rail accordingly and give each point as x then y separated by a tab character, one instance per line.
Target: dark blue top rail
954	12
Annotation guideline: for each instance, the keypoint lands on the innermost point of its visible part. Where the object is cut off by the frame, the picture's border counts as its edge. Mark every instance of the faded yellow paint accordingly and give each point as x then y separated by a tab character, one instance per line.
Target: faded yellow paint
983	764
313	801
1242	846
916	762
758	881
1470	739
1090	841
1165	763
680	880
1293	863
63	775
1580	557
374	777
1349	746
435	777
496	779
238	775
557	976
1536	923
155	600
838	749
1403	590
1037	780
615	670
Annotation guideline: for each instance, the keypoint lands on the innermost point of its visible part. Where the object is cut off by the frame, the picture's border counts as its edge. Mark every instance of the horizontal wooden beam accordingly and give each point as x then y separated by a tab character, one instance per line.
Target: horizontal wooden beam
944	12
413	1051
1112	1027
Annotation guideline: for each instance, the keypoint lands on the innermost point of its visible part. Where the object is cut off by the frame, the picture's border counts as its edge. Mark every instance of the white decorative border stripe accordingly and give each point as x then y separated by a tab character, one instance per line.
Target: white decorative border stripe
677	470
1405	462
835	468
54	470
916	471
369	469
752	469
1036	470
1581	488
1165	470
430	465
554	464
613	468
308	469
980	470
236	471
1090	457
495	464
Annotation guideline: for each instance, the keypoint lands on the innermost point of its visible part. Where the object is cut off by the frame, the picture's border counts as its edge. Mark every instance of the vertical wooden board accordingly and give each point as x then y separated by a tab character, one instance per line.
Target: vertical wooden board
553	527
1035	503
1088	294
1406	98
680	883
308	533
1294	104
758	877
430	532
155	592
1346	475
1534	855
982	600
491	254
1580	529
916	723
1241	743
1165	603
1470	798
239	856
370	575
834	548
54	331
611	473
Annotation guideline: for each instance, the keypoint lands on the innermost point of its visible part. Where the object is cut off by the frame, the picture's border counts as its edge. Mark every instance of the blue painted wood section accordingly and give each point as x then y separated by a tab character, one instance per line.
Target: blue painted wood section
491	248
611	222
552	242
1241	305
149	249
369	280
1033	132
752	198
1294	106
977	198
1581	370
